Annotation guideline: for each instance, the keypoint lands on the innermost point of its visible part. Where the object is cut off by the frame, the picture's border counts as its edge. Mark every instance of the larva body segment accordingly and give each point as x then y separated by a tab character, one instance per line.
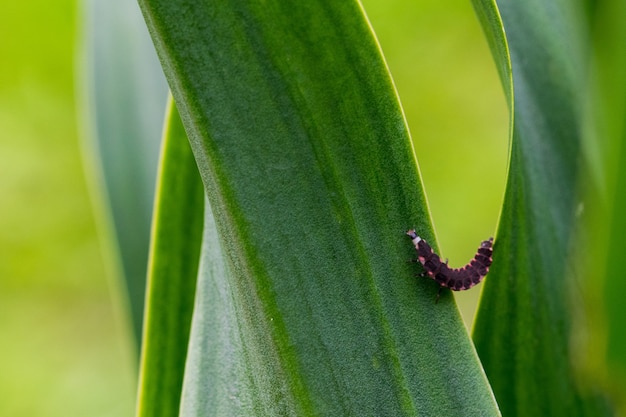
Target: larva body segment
457	279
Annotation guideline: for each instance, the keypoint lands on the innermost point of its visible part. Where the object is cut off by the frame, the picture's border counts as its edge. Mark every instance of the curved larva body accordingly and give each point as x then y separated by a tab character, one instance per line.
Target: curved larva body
457	279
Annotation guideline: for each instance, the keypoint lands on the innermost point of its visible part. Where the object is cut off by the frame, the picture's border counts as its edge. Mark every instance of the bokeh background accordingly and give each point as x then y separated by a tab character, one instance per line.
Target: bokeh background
66	344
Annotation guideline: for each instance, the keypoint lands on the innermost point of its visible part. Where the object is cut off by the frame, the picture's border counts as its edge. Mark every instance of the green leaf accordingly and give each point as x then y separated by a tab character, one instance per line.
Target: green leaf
308	167
127	93
524	323
173	271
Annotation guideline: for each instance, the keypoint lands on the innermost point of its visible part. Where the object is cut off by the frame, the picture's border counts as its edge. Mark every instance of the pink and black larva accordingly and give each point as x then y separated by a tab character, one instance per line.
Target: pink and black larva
457	279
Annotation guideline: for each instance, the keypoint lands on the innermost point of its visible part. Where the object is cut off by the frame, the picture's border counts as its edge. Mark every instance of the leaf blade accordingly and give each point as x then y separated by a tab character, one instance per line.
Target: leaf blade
312	194
172	273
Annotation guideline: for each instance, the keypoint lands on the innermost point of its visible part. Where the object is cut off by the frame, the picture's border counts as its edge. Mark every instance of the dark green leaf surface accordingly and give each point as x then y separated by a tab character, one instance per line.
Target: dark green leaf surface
128	95
172	273
313	308
522	330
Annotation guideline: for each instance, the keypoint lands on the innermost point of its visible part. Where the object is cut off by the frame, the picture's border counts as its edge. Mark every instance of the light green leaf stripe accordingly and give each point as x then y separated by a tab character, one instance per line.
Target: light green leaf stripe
172	273
522	329
309	171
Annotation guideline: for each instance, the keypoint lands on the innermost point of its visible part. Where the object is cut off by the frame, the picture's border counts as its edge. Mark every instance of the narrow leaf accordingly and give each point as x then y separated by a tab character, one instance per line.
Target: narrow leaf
173	271
307	164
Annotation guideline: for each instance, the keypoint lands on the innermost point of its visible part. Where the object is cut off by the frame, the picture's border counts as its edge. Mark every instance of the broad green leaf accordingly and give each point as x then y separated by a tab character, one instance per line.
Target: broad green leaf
524	323
127	92
311	179
173	271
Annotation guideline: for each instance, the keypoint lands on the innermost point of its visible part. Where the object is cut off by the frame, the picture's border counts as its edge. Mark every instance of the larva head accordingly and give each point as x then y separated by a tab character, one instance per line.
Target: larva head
487	243
414	237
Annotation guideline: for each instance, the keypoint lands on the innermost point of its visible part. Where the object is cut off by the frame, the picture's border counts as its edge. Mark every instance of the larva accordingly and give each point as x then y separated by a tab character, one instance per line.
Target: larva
457	279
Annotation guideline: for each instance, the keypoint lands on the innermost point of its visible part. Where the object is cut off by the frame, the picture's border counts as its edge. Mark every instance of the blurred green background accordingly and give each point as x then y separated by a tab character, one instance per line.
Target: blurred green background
65	344
65	349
